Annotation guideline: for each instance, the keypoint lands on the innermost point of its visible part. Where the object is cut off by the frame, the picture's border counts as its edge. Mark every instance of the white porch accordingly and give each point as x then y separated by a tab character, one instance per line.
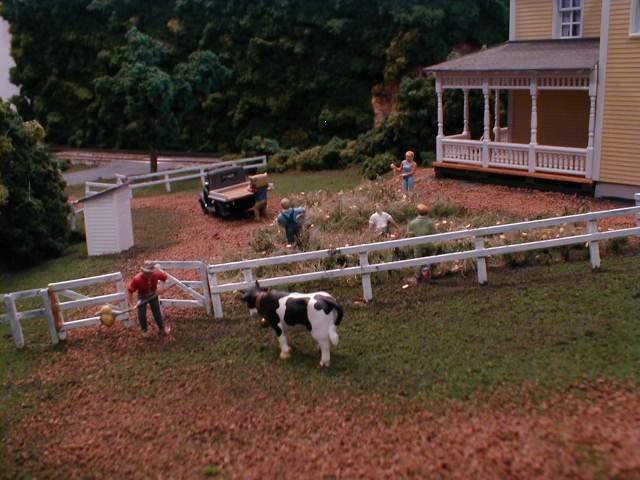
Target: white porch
530	68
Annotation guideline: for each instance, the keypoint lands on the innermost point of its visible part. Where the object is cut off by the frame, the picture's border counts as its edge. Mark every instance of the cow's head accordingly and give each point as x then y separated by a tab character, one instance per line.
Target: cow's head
251	296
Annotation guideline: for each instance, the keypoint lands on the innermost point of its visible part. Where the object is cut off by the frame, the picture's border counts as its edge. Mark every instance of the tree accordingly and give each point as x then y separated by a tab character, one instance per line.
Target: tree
154	100
33	206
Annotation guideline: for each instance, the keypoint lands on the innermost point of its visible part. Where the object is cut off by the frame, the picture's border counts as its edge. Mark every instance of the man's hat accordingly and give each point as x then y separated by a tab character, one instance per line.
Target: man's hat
148	268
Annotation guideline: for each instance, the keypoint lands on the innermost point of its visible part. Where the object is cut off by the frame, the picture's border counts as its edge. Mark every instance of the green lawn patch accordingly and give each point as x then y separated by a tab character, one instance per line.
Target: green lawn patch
286	183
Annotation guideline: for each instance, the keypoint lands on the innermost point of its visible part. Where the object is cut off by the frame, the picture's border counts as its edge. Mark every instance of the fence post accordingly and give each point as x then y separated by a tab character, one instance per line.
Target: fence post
16	328
53	331
167	185
206	291
74	219
594	247
248	275
366	278
202	176
215	297
481	262
637	197
125	302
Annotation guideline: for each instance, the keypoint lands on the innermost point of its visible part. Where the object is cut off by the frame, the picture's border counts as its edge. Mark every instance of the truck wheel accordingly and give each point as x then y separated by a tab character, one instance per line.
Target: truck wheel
219	210
203	206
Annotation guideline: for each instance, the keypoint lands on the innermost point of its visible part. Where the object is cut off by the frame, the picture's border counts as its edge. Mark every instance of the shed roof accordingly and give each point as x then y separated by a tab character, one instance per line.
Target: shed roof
102	193
567	54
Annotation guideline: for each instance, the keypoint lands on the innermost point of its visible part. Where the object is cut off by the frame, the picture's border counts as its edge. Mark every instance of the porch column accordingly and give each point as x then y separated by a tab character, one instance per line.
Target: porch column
593	82
486	137
466	131
534	124
496	115
439	92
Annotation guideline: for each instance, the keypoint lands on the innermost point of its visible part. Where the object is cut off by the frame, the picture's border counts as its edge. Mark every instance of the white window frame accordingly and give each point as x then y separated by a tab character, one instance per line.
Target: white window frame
634	19
559	10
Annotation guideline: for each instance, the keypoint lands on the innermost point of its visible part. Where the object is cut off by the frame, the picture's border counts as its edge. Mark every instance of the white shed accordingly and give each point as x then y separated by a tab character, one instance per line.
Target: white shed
107	220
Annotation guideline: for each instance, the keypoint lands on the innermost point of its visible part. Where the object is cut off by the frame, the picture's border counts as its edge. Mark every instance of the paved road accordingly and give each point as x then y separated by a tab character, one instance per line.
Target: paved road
107	171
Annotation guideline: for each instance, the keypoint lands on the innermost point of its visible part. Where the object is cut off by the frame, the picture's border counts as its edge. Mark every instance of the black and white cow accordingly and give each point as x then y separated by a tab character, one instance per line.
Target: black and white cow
317	312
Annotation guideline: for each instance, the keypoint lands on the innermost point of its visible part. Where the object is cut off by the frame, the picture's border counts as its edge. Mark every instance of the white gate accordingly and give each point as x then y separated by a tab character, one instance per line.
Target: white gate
57	292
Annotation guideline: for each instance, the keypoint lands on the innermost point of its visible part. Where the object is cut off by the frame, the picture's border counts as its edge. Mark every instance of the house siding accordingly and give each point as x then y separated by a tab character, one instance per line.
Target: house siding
619	161
592	17
534	19
563	118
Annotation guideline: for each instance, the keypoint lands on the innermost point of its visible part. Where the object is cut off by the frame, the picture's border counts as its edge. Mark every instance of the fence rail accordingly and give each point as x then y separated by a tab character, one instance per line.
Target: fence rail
478	253
206	292
534	158
165	177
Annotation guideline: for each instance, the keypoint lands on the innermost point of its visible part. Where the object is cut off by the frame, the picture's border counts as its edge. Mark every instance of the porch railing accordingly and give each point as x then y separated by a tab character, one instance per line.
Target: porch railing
517	156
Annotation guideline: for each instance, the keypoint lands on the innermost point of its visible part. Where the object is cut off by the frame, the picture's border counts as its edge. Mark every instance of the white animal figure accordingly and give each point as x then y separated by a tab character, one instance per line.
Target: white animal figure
318	312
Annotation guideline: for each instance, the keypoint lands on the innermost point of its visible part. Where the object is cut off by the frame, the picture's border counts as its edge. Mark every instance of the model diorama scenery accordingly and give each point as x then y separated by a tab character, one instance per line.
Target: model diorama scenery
434	206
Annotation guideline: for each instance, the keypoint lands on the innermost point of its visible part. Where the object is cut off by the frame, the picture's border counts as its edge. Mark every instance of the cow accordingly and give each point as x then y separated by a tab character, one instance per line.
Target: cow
317	312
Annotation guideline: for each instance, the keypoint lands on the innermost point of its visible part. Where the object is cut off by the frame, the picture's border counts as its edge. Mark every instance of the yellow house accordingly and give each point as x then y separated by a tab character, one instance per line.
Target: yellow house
568	84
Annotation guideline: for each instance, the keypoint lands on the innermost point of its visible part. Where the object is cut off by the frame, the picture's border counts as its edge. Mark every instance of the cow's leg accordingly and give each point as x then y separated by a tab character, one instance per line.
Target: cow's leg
285	349
325	351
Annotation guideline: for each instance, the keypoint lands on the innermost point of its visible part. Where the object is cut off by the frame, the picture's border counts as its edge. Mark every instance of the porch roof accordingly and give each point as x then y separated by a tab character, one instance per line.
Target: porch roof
527	55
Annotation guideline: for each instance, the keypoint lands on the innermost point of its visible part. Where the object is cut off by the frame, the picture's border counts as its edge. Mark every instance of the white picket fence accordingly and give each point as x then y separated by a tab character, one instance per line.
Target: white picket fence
207	292
60	297
198	290
167	177
15	317
58	291
479	253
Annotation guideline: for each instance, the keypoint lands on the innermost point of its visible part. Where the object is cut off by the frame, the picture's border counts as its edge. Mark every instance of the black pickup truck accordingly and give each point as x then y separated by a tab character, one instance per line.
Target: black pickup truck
226	192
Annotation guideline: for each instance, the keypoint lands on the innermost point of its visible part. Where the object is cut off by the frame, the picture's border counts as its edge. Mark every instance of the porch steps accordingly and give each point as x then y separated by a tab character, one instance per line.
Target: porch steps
521	178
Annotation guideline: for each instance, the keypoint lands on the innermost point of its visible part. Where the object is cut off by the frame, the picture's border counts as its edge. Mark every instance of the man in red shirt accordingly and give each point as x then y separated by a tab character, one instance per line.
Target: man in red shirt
146	284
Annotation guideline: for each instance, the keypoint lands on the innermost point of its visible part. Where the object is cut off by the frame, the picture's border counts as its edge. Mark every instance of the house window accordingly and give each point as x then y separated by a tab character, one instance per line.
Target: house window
570	18
635	18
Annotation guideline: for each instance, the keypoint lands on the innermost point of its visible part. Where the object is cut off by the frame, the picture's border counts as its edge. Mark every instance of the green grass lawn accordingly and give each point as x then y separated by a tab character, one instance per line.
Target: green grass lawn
543	329
554	326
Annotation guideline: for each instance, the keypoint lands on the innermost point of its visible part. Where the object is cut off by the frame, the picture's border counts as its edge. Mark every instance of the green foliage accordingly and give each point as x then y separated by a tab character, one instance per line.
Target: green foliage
33	205
205	75
260	146
320	157
283	160
376	166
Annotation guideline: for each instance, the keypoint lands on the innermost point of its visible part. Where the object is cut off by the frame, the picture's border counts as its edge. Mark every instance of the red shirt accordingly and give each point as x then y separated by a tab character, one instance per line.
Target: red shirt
146	287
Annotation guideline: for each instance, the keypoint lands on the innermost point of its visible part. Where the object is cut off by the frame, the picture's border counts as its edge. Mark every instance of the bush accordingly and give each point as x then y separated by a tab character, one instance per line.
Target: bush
377	166
320	157
260	146
64	164
33	206
283	160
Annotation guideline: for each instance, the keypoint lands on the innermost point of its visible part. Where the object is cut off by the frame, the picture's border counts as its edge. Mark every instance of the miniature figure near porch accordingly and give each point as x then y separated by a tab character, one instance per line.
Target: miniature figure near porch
407	171
146	284
317	312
